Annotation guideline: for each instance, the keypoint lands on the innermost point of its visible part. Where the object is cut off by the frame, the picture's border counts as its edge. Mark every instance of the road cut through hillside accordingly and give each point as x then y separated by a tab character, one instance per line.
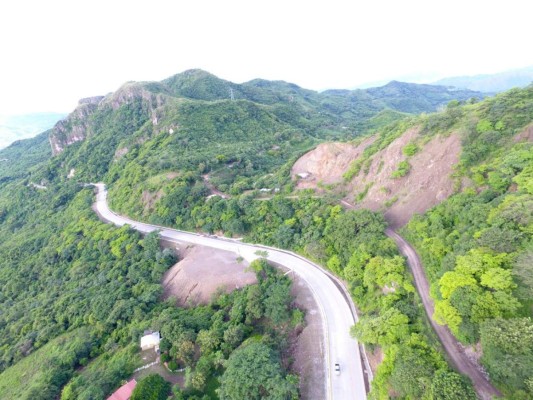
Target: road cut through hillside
335	306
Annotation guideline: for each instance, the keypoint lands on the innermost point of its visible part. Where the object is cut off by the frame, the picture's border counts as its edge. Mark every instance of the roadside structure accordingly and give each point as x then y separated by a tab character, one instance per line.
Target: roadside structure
150	340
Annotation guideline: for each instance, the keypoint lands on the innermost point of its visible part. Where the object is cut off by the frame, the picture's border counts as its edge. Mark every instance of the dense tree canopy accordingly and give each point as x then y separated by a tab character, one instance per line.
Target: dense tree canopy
476	246
252	372
152	387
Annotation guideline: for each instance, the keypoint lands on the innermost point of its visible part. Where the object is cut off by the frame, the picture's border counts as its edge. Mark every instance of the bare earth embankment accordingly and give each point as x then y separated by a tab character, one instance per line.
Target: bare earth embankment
326	163
201	272
309	350
204	271
428	182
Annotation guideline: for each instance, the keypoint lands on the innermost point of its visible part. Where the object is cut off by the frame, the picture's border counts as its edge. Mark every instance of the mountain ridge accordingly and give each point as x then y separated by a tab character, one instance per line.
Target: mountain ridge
337	108
491	83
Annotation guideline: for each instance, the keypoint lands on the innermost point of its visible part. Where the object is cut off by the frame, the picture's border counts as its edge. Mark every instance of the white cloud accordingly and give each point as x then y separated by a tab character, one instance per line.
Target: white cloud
55	52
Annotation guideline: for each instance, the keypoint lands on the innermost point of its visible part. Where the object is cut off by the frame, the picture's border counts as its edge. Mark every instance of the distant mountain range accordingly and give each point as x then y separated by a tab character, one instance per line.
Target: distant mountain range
356	109
333	114
16	127
491	83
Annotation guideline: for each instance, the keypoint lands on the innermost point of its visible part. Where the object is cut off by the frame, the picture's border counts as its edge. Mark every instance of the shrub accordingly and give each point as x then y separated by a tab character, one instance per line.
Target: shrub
172	365
153	387
403	169
410	149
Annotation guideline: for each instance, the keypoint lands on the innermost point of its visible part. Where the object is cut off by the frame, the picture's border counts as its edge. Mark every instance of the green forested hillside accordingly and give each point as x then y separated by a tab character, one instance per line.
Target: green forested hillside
163	148
188	128
78	293
41	374
257	126
62	269
23	156
477	245
484	231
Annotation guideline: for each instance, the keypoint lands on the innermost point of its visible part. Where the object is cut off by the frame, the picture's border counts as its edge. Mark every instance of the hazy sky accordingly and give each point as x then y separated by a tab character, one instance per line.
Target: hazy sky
55	52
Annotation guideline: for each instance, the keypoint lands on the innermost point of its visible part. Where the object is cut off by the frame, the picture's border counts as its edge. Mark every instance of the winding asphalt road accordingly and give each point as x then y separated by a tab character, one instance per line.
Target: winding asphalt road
337	313
455	352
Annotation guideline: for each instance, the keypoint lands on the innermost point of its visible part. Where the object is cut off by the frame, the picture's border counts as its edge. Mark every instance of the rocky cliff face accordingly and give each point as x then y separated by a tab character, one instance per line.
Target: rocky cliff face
152	95
74	127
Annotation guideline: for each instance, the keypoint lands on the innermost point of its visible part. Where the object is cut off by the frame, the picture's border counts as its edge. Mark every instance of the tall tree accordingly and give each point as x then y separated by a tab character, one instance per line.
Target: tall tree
253	372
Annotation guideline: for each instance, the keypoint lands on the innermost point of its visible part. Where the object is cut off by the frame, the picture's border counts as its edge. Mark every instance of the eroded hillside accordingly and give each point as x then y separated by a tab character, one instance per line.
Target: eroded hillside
409	176
326	164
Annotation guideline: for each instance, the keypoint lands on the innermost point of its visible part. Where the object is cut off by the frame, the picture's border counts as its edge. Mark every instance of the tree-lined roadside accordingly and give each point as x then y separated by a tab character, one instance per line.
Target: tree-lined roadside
340	346
455	352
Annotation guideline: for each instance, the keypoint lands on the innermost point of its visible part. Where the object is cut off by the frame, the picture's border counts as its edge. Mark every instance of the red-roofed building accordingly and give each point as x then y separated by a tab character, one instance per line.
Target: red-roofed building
124	392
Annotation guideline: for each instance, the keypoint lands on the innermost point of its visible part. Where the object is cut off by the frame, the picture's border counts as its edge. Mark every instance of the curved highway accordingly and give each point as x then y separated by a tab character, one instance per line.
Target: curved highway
337	312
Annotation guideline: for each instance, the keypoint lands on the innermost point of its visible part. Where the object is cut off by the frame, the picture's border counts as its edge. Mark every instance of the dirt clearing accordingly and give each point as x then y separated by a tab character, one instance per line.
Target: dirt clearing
201	272
326	163
308	351
526	135
428	182
152	365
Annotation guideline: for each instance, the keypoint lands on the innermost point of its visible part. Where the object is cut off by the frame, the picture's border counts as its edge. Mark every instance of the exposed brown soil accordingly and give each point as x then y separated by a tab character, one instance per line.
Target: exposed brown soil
428	182
526	135
120	153
201	272
474	352
172	175
326	163
308	353
150	198
212	189
149	356
375	358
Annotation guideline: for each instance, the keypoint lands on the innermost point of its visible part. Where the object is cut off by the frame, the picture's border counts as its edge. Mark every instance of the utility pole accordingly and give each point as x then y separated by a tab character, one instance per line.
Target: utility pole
231	94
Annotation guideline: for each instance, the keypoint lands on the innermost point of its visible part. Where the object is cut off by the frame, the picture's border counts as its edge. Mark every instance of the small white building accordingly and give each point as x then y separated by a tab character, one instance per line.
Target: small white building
150	340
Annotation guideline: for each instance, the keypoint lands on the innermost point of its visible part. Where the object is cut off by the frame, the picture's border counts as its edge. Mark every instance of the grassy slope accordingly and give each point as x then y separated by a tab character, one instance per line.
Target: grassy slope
23	156
46	368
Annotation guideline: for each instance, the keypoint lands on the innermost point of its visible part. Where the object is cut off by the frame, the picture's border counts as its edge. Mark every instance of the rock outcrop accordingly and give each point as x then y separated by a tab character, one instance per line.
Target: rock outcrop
74	127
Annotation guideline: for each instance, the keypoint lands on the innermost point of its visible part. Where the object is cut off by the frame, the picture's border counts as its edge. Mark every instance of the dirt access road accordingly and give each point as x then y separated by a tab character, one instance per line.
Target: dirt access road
333	304
455	352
